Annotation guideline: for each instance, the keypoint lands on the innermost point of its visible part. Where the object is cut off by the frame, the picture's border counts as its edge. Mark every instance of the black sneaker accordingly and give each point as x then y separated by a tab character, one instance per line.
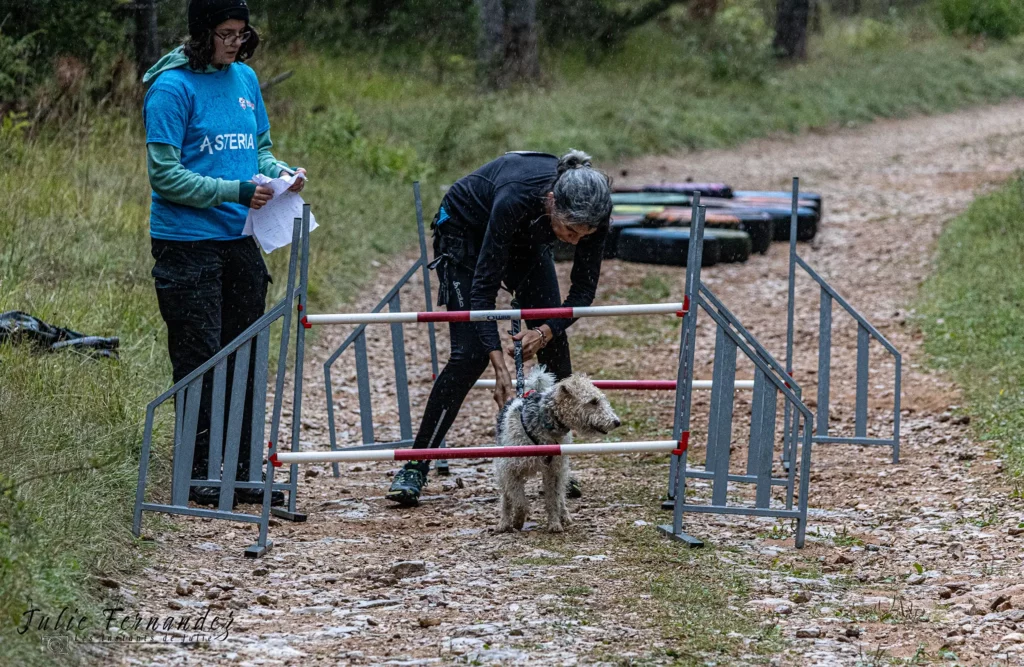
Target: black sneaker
204	495
255	497
573	488
406	487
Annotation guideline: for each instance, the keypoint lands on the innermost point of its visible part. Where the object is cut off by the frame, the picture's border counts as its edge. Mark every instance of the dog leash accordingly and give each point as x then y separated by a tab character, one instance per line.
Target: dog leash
526	430
517	346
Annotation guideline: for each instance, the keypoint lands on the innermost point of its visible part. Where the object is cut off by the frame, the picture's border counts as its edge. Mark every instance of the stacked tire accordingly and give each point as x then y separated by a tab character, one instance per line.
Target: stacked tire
669	246
650	223
757	224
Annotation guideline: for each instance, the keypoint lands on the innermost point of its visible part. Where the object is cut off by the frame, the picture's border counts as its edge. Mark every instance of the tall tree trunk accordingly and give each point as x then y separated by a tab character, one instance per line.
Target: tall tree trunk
507	47
147	36
520	61
703	11
791	29
490	44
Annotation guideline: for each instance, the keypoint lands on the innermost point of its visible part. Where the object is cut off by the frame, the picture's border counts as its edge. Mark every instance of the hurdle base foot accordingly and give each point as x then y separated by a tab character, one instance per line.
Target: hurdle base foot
297	517
688	540
441	468
256	551
668	505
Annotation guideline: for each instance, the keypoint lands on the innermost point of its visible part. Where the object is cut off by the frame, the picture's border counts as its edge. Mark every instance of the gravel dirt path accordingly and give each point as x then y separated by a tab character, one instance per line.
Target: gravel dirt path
920	560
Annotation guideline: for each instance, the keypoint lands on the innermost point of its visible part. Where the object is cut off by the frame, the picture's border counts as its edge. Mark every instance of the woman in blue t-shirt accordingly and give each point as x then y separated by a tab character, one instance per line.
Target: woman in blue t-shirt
207	135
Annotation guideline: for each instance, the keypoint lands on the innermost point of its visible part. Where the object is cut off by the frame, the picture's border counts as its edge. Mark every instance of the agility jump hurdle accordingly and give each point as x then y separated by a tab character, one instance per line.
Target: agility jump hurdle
865	333
640	385
396	318
767	384
357	341
770	380
496	315
224	430
574	449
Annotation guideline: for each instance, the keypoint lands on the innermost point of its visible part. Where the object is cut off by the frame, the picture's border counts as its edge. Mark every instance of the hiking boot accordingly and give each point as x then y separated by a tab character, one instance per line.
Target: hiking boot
406	487
573	488
255	497
204	495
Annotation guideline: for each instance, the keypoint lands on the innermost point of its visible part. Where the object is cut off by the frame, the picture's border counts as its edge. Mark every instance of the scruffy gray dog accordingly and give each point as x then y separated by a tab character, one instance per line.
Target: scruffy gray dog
546	415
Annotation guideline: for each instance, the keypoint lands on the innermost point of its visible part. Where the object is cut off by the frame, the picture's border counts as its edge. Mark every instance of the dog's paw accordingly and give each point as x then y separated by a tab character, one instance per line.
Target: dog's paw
504	528
566	520
556	528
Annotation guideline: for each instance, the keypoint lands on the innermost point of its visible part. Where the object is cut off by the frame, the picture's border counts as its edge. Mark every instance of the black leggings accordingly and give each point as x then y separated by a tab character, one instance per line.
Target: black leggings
532	279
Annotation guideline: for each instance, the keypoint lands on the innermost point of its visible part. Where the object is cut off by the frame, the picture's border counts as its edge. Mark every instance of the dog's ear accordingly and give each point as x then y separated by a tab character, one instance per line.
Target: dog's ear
563	387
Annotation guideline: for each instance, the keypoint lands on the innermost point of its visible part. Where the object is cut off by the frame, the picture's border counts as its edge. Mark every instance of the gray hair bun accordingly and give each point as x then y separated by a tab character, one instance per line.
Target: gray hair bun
574	159
582	194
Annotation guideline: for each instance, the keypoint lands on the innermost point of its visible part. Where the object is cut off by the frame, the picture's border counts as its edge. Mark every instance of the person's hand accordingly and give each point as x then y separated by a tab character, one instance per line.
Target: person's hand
299	184
260	198
503	392
532	340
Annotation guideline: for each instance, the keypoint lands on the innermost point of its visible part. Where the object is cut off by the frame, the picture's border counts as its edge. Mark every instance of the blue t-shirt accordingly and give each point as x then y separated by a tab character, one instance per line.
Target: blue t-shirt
214	118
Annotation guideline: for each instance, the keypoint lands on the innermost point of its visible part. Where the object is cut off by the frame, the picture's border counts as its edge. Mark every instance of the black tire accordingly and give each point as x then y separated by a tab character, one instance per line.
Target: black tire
806	224
807	199
807	218
806	221
761	231
705	189
669	245
736	245
611	244
758	225
650	199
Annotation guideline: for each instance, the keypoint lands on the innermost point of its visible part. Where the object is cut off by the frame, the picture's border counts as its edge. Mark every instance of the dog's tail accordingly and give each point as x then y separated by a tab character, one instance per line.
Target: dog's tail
540	380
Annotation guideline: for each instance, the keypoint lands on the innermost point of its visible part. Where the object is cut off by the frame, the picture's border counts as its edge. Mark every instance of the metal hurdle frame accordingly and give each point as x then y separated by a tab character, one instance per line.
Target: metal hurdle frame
770	380
357	340
865	332
188	392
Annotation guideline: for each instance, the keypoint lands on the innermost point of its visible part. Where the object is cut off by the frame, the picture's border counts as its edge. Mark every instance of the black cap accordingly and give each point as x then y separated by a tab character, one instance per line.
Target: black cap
205	15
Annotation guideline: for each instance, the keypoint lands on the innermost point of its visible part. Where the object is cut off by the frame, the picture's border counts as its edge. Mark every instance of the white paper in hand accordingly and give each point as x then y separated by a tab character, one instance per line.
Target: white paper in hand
272	225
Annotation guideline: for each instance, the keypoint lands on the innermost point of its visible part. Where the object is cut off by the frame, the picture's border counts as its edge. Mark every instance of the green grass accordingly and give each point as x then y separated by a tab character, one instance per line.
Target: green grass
72	251
693	597
651	96
74	247
972	319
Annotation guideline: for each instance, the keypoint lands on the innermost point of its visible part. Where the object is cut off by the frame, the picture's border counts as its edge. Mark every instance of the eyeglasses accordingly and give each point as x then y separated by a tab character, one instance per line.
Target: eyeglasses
232	38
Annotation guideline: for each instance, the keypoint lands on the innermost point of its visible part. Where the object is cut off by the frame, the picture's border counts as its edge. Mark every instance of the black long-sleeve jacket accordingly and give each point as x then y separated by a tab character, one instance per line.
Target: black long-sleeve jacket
501	206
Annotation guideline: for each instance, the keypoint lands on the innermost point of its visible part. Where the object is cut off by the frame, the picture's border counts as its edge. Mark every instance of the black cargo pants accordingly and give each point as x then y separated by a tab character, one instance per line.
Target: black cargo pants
209	292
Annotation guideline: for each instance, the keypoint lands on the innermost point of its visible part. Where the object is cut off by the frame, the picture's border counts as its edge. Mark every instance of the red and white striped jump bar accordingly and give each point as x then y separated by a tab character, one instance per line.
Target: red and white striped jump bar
639	385
448	453
494	315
